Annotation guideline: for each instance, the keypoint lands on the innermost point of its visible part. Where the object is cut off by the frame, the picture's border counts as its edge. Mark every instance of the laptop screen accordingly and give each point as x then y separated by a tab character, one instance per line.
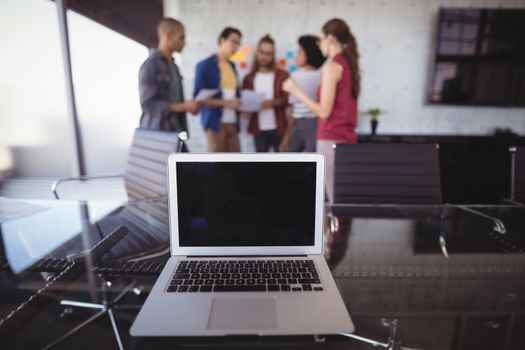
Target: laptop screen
246	203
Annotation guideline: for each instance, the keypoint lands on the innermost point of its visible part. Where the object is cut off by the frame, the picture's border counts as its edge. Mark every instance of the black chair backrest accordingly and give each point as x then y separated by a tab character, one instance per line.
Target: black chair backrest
517	174
146	170
387	174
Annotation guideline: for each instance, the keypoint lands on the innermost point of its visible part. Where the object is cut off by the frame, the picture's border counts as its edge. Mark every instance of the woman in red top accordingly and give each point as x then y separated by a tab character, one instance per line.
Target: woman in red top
340	83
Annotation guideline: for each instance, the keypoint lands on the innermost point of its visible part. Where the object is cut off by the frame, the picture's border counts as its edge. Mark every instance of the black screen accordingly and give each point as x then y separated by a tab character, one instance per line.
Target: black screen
479	57
246	203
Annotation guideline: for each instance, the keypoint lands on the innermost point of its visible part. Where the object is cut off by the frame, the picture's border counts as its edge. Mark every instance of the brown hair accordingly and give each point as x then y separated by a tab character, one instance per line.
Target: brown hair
340	30
268	40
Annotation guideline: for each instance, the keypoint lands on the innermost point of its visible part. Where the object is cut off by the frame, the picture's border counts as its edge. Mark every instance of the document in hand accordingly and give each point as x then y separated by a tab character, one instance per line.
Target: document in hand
205	94
251	100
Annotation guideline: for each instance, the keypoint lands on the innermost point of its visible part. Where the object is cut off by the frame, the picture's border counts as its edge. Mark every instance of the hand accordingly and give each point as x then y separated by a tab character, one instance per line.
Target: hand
266	104
192	107
234	103
283	147
290	86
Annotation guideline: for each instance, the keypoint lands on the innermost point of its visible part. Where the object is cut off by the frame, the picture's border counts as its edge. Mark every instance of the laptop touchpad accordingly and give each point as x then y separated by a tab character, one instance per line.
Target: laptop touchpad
243	313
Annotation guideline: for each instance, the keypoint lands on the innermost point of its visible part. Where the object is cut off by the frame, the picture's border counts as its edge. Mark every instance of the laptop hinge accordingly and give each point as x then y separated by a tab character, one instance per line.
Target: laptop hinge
246	256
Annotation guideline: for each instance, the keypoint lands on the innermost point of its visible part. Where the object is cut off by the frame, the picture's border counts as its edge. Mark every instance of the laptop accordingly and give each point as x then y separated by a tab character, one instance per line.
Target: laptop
246	234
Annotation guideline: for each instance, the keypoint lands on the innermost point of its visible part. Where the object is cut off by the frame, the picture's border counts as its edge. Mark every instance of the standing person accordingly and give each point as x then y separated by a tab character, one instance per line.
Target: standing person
338	93
160	83
301	128
269	124
219	116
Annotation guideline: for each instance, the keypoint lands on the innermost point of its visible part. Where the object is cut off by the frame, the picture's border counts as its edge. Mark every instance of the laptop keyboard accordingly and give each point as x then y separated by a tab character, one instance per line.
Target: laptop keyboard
245	276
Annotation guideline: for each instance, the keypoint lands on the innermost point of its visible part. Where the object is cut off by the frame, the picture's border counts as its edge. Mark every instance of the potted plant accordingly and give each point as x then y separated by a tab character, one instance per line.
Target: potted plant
374	114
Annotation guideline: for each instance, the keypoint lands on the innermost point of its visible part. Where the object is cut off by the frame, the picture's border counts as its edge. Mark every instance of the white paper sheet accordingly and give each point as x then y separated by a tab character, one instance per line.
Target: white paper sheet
205	94
251	100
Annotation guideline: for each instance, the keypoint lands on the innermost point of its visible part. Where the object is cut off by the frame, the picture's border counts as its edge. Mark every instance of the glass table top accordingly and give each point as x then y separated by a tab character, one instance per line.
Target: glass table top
447	276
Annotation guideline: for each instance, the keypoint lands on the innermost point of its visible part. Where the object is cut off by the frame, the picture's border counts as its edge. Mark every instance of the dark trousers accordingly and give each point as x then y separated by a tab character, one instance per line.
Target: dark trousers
267	139
303	136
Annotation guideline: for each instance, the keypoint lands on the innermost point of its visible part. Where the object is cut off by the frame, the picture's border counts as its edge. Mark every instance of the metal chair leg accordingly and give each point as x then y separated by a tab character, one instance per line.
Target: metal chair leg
105	307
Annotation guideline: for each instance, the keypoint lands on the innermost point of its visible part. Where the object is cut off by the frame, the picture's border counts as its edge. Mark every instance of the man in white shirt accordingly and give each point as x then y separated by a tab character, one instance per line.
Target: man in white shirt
268	124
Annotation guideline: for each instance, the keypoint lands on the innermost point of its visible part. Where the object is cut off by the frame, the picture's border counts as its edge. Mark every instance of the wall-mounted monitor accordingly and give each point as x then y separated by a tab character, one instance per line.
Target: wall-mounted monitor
479	58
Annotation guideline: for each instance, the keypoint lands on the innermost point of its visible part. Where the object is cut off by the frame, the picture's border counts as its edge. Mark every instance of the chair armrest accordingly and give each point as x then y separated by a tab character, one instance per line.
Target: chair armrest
56	183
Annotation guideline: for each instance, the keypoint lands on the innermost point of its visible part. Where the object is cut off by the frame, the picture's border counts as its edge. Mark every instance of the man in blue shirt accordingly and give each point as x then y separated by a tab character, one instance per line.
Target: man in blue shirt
160	82
219	116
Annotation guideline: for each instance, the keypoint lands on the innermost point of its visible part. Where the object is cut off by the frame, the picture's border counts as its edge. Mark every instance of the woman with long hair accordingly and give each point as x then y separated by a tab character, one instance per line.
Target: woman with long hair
336	109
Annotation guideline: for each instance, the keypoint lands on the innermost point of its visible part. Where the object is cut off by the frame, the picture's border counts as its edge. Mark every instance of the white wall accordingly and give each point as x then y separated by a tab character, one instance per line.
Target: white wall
395	38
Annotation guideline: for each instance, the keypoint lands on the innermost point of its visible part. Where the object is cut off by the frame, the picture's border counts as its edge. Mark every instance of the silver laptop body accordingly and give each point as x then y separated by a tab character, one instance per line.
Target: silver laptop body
246	234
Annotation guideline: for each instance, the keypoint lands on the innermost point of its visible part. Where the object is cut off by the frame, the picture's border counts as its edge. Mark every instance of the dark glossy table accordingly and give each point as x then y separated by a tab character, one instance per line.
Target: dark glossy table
418	277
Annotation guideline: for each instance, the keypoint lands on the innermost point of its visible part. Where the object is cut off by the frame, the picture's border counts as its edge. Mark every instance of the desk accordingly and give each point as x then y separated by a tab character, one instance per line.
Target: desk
443	273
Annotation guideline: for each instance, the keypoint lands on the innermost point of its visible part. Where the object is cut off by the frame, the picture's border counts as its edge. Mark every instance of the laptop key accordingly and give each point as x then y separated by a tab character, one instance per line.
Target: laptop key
285	287
230	281
296	289
240	288
292	281
250	281
194	289
181	276
219	281
240	282
273	288
188	282
281	281
172	289
307	287
182	289
318	288
309	281
206	288
198	282
208	282
182	270
261	281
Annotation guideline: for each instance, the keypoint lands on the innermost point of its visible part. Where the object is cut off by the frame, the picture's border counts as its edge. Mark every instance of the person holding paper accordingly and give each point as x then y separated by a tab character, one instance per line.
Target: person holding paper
340	84
160	83
302	124
219	116
268	122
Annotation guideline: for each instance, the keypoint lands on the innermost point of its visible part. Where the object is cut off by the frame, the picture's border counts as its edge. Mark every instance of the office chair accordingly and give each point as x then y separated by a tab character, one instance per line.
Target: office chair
387	174
399	174
145	177
145	172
